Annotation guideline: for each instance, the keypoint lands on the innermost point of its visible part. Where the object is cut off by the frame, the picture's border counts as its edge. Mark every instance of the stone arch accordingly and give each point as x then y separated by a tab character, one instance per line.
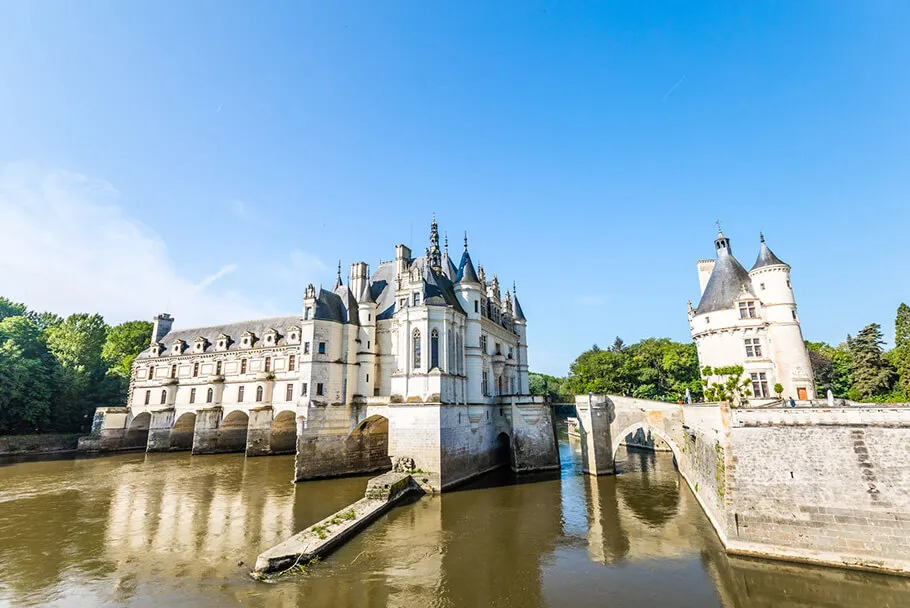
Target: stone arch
283	433
232	432
137	433
503	450
368	444
182	431
645	427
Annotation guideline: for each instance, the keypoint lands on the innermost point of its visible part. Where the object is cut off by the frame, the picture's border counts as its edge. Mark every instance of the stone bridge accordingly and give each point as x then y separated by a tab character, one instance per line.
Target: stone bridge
813	484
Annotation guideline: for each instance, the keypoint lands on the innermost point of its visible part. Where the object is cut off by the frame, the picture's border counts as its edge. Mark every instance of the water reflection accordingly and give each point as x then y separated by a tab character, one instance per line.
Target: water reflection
177	530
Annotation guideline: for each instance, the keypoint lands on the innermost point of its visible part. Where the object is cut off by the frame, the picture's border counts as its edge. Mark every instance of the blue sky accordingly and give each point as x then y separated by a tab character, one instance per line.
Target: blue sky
212	158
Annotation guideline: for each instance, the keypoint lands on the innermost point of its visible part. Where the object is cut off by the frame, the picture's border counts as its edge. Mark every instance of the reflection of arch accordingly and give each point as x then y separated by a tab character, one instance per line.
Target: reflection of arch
646	428
182	432
137	435
283	433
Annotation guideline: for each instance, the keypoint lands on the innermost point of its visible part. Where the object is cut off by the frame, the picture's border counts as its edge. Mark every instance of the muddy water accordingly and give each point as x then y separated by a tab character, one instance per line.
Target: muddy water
176	530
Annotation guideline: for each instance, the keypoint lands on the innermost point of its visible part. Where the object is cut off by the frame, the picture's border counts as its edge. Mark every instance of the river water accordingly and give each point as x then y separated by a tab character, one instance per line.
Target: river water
177	530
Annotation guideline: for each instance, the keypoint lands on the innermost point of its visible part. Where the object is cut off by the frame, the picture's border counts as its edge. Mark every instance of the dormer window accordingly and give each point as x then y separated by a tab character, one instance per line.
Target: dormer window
223	341
294	334
177	347
747	310
247	340
200	344
271	337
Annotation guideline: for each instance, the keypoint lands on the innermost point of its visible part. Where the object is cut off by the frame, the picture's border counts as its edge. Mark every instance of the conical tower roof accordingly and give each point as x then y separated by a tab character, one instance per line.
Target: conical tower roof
728	280
766	257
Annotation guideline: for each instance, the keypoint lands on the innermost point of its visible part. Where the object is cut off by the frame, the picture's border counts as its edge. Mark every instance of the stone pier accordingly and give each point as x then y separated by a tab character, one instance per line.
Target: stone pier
259	432
159	437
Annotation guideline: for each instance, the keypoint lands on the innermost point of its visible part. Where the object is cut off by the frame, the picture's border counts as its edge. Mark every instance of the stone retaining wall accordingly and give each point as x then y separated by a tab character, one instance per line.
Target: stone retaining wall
37	444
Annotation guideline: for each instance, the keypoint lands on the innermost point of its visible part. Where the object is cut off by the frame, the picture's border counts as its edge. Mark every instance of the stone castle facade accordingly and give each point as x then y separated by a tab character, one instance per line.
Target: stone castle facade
417	330
749	318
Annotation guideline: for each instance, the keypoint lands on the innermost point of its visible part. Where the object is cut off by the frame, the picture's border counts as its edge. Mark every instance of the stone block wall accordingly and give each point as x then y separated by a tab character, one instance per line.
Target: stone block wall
830	486
37	444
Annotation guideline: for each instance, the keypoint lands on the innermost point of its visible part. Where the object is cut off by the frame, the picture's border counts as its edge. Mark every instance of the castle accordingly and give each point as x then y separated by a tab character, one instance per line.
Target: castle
750	319
424	360
419	329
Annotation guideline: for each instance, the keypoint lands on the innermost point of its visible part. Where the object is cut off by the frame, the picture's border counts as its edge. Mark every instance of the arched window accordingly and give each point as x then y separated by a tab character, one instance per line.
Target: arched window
416	349
209	396
163	396
434	348
258	394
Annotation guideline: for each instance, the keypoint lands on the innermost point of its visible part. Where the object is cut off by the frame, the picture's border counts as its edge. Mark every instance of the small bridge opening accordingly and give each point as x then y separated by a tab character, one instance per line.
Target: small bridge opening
503	453
182	433
284	433
232	432
368	443
137	434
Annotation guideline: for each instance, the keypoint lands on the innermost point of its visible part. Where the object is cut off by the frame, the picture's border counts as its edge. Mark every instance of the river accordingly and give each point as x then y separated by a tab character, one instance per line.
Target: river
177	530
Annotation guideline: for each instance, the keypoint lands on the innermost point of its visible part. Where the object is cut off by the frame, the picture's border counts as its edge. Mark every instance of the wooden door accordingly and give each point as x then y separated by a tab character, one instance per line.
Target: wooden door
801	394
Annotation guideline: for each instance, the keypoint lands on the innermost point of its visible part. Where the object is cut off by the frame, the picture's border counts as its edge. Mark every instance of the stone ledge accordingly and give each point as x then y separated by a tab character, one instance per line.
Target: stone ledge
320	539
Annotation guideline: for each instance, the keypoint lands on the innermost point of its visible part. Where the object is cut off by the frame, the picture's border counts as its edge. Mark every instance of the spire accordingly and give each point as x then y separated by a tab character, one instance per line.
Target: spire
766	257
518	313
434	256
366	297
447	244
338	282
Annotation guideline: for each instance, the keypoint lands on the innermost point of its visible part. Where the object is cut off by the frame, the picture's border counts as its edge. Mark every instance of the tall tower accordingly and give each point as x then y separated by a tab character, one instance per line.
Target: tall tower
469	291
771	283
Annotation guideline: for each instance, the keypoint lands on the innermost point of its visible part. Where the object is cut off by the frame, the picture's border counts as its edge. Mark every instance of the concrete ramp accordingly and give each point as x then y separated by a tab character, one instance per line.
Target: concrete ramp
322	538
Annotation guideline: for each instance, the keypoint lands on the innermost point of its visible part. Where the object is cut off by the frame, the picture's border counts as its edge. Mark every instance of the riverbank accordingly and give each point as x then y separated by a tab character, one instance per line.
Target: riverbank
19	445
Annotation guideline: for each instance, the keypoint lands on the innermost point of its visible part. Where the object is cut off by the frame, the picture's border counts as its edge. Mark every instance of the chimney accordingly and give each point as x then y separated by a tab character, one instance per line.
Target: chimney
161	326
402	258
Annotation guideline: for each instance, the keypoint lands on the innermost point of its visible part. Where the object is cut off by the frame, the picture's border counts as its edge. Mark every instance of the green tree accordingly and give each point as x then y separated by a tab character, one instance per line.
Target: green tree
547	386
871	374
899	357
8	308
902	326
123	343
732	386
76	344
831	368
25	377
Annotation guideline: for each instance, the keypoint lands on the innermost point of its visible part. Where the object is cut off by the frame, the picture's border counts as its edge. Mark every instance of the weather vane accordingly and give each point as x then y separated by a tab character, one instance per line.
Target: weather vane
718	226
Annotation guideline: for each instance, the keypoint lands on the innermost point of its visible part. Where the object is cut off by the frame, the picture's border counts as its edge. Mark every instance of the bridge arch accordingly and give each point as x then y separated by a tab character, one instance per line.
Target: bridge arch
182	432
232	432
137	433
646	428
283	433
368	444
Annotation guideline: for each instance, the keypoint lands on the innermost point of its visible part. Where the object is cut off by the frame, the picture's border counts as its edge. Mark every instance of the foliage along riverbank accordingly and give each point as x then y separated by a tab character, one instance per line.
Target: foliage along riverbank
54	372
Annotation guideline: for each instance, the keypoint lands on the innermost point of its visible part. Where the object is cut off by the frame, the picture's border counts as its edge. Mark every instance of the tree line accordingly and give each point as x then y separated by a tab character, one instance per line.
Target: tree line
859	369
54	372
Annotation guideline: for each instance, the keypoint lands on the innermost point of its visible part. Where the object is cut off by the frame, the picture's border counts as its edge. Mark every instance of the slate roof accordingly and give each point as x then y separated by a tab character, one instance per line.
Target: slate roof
727	281
766	257
466	272
330	307
519	313
258	327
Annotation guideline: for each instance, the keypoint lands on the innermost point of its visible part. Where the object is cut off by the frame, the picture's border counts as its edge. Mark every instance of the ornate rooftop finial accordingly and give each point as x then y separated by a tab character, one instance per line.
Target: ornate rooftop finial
434	256
447	243
465	240
338	282
717	223
761	237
